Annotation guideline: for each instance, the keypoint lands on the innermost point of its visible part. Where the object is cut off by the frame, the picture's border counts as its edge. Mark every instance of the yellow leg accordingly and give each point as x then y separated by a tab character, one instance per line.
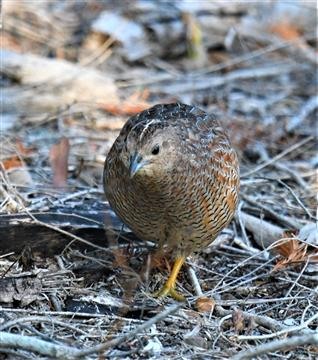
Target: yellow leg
169	287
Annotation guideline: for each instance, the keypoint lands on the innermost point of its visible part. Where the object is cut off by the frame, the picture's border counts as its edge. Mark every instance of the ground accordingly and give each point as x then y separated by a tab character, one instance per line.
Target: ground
74	281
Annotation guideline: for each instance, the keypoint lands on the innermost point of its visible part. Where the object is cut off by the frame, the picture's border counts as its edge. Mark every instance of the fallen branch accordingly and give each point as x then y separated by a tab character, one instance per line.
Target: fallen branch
277	345
265	233
38	346
45	348
278	156
307	108
195	83
52	84
120	339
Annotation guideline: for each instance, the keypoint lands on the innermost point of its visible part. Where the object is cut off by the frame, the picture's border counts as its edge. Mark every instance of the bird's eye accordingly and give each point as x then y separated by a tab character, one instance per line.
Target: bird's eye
155	150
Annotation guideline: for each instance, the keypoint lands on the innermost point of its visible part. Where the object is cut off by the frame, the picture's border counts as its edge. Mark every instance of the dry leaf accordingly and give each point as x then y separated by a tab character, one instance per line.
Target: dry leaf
23	150
110	124
59	162
16	161
121	258
126	108
238	320
293	251
285	30
204	304
133	105
13	162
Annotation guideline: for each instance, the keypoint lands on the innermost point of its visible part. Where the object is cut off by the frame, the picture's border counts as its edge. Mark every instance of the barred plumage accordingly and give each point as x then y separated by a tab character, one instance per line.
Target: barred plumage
173	177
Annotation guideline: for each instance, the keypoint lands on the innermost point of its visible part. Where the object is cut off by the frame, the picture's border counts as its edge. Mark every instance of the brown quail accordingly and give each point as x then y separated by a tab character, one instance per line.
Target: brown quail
173	178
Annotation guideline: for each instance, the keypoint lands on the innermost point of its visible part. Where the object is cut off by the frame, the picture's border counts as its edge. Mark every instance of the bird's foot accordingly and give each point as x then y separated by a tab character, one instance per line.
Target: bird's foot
169	287
167	290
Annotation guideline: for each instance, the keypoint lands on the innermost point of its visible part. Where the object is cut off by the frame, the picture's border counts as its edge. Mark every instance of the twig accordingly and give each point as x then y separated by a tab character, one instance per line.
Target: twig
195	83
218	288
262	320
70	314
296	198
40	319
285	330
286	220
277	345
307	108
42	347
293	174
298	277
279	156
120	339
264	232
255	301
195	281
8	340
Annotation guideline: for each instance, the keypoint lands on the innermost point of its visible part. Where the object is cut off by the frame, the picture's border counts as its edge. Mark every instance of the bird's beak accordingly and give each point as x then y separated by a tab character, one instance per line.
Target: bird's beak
136	163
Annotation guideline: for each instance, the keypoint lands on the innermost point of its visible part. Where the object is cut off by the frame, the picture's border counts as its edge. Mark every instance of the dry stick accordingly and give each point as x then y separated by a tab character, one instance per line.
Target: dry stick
296	198
194	83
256	301
293	174
279	156
298	277
42	347
29	343
265	157
52	227
70	314
284	219
262	320
307	108
195	281
22	320
265	233
301	329
277	345
120	339
245	57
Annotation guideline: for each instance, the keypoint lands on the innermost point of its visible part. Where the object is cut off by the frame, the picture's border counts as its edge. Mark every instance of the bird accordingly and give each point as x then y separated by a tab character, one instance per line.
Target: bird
172	177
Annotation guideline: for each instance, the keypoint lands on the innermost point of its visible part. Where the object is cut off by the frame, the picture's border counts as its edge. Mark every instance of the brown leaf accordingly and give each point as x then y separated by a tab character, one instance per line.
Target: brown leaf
110	124
12	162
133	105
238	320
126	108
204	304
23	150
59	161
293	251
285	30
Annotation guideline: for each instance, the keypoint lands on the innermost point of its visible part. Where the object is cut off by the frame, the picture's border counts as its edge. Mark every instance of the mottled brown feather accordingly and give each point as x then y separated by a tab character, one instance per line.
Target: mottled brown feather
188	192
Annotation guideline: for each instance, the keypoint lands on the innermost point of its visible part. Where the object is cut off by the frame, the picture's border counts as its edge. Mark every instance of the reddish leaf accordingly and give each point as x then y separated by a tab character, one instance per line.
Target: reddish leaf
294	251
133	105
285	30
13	162
59	161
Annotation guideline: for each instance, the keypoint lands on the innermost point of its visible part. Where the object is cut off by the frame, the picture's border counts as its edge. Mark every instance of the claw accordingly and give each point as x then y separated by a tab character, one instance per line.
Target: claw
169	288
169	291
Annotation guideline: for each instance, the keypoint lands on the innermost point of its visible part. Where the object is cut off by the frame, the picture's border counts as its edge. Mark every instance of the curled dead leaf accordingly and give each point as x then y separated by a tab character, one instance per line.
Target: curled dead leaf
204	304
294	251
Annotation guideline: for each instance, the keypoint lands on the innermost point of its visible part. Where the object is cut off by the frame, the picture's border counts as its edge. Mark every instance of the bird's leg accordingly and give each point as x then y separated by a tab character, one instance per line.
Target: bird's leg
169	288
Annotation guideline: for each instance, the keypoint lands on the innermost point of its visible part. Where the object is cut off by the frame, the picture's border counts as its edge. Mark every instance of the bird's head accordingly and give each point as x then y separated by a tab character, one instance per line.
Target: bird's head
151	150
